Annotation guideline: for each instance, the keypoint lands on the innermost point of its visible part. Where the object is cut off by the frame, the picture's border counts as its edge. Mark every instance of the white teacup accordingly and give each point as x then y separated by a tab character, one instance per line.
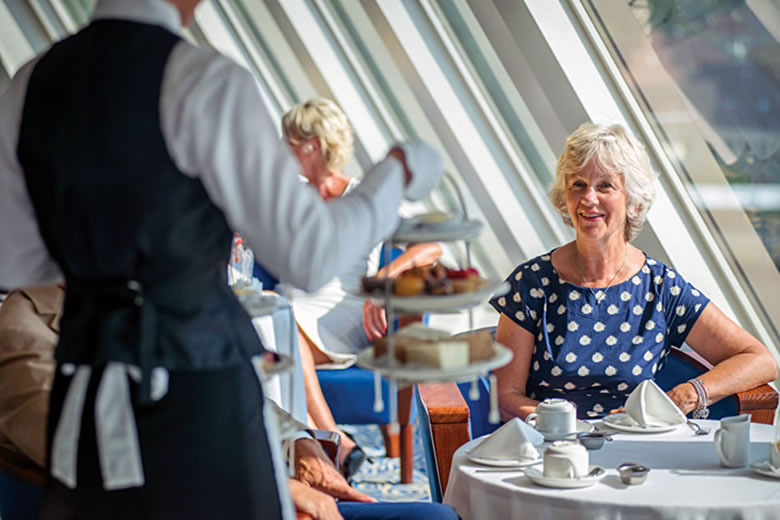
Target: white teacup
732	441
565	459
774	454
554	416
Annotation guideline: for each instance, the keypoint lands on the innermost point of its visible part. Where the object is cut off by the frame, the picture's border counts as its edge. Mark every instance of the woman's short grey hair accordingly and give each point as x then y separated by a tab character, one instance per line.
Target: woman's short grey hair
614	149
320	117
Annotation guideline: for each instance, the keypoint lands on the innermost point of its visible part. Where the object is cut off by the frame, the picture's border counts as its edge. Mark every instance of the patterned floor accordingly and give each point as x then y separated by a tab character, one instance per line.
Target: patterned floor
381	479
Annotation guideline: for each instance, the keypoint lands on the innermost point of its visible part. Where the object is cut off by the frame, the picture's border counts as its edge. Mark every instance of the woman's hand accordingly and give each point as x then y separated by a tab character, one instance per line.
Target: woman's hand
374	320
315	503
684	396
313	467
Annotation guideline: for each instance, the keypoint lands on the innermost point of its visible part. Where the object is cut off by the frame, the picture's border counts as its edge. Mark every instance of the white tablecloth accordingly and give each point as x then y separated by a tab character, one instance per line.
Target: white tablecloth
686	482
277	335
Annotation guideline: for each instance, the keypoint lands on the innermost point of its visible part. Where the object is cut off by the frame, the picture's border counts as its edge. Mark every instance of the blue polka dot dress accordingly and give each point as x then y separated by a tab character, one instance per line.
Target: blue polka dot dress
593	352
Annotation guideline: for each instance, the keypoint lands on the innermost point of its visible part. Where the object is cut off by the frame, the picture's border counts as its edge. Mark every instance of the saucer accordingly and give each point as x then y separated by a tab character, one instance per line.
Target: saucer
510	463
582	427
536	476
762	467
620	421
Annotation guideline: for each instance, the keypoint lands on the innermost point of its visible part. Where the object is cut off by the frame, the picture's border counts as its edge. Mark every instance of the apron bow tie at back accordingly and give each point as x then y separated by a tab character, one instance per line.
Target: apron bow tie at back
118	325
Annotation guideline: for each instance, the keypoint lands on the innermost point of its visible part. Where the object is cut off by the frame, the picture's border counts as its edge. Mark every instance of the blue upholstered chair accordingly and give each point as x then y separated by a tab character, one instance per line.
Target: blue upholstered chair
350	395
453	419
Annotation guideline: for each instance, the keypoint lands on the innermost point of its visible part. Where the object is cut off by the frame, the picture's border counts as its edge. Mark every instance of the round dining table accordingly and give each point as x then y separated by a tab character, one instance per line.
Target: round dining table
685	482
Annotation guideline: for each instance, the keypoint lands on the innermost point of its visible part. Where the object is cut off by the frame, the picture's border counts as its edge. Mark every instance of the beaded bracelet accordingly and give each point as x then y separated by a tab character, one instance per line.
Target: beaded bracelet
701	411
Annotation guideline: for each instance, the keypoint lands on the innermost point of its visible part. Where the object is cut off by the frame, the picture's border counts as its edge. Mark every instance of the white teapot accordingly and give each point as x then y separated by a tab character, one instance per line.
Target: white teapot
554	416
566	459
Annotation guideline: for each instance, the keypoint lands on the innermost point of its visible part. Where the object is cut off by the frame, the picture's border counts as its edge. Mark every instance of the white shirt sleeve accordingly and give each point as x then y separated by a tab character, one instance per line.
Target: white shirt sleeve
24	259
217	129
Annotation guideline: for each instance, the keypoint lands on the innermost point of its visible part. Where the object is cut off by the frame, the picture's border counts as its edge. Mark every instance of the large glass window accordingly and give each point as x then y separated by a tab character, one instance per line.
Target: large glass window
707	74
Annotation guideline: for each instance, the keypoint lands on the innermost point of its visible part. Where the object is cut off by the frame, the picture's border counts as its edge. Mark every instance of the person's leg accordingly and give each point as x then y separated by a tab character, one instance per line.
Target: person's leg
396	511
316	404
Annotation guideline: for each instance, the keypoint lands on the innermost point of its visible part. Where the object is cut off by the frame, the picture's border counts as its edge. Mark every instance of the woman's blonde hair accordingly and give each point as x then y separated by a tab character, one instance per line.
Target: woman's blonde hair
616	150
320	117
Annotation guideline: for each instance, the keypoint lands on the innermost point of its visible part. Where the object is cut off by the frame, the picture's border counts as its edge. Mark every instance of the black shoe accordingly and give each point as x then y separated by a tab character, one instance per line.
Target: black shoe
353	461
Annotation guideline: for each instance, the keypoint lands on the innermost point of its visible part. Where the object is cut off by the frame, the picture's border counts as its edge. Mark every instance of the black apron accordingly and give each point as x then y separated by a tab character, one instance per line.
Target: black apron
168	418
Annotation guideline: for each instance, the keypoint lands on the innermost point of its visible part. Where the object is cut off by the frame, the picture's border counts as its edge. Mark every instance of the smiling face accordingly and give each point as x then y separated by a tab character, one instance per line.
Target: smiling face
596	201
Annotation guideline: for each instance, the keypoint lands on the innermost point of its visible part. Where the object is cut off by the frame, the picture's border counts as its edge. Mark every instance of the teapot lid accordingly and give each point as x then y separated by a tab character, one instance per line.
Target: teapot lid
565	447
555	405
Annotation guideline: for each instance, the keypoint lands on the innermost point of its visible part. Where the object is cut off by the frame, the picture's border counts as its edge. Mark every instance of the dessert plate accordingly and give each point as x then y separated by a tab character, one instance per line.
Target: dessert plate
415	230
582	427
623	422
417	373
258	304
763	467
536	476
431	303
501	463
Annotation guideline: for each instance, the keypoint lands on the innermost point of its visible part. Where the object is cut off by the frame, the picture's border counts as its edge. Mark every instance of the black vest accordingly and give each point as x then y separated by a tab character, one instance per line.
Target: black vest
142	247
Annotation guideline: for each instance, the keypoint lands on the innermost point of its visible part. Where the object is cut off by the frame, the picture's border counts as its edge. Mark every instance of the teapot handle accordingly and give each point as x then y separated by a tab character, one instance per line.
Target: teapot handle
719	445
531	417
572	471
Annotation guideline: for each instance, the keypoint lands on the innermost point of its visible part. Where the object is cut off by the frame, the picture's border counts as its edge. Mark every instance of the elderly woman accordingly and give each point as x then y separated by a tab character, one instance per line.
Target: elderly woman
590	320
334	323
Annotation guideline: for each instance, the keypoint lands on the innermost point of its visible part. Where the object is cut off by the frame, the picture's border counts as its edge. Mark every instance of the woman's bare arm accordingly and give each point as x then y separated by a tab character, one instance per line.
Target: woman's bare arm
740	361
425	253
512	378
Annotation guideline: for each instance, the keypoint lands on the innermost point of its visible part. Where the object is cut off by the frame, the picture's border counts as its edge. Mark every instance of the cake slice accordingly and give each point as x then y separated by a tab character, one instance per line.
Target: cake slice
441	354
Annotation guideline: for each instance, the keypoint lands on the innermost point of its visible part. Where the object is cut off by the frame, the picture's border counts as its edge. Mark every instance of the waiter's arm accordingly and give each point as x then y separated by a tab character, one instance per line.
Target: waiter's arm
218	129
24	259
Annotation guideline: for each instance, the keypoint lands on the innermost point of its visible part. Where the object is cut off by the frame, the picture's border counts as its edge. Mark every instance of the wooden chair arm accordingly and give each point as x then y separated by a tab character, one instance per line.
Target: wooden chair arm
759	402
449	417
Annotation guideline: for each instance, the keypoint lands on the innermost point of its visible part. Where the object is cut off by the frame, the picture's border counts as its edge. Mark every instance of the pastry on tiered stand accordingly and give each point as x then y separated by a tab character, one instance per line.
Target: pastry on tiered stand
417	354
417	344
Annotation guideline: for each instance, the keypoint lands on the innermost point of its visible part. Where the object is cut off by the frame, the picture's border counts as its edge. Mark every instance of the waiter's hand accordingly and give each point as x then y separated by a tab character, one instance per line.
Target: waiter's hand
422	168
374	320
310	501
313	467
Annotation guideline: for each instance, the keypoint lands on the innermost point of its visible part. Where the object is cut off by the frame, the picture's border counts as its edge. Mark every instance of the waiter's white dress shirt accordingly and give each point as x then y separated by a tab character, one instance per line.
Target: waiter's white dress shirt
217	130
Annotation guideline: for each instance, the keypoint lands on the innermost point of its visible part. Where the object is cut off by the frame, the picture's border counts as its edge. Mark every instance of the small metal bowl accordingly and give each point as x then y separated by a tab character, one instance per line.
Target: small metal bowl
593	440
632	473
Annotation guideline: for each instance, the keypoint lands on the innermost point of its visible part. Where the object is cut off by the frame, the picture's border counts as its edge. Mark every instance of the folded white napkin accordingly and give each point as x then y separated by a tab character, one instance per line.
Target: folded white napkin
514	440
648	405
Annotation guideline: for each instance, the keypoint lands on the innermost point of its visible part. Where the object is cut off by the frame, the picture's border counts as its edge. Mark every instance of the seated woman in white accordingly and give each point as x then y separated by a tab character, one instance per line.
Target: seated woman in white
334	323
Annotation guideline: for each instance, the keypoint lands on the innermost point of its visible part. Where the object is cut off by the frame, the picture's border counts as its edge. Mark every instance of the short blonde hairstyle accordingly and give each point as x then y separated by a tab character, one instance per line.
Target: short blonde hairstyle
320	117
616	150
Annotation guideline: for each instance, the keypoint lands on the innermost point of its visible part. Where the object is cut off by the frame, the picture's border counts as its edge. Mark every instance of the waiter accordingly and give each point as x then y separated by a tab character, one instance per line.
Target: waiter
127	157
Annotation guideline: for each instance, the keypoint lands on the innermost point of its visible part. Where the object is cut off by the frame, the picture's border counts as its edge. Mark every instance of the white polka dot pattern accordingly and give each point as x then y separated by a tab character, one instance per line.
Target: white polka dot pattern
585	342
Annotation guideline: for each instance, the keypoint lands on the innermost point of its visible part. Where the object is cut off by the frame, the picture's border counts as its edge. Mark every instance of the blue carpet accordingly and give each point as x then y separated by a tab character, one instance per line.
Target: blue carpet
382	478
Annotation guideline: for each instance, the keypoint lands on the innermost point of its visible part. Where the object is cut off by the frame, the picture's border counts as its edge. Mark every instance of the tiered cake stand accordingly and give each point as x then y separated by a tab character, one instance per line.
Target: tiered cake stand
387	366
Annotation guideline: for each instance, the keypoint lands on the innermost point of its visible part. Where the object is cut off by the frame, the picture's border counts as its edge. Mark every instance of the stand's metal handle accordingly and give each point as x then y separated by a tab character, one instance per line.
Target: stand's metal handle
493	417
